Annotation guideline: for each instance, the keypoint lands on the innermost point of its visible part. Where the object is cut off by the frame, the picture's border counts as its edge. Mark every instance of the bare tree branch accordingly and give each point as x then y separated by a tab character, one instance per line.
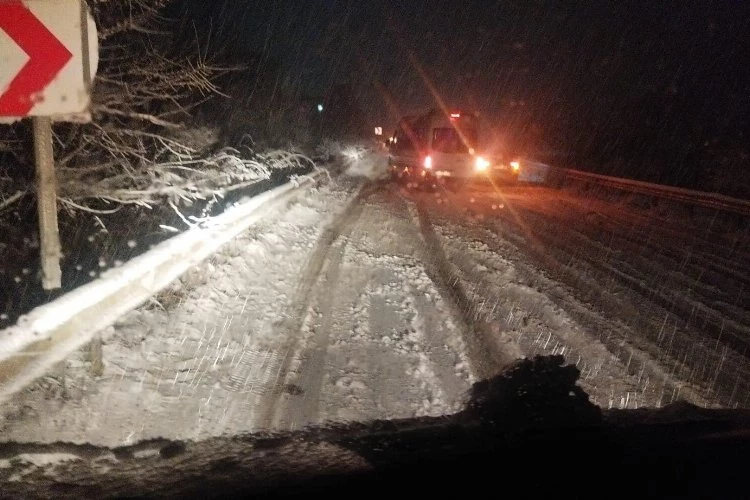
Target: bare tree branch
141	147
7	202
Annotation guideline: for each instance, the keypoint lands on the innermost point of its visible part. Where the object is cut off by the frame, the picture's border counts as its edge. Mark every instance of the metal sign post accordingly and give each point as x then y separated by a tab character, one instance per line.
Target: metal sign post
48	57
46	195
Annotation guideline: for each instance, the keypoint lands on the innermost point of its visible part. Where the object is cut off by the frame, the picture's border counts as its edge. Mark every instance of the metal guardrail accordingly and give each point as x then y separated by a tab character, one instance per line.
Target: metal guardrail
558	176
49	333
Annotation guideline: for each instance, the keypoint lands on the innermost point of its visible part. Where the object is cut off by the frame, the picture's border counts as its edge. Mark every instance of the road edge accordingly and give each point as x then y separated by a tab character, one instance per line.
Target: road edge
49	333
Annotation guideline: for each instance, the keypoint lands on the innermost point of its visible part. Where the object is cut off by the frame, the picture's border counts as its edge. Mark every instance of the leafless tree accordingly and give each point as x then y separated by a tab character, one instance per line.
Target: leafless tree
142	146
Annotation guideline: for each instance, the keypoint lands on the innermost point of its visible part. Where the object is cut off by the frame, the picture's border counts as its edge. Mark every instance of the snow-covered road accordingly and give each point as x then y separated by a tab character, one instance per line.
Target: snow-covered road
324	312
651	296
361	300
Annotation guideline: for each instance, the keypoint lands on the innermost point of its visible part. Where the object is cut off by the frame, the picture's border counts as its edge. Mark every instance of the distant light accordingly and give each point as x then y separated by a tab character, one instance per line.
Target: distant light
428	162
378	130
320	108
455	115
515	166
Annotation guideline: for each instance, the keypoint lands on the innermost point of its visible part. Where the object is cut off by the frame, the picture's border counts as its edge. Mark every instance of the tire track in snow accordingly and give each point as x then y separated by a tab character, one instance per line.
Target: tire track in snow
689	355
377	339
308	380
486	354
619	338
396	347
326	254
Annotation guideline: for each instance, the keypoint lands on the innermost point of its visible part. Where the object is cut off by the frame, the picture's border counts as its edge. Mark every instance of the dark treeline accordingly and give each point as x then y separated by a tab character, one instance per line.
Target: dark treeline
652	90
658	91
271	95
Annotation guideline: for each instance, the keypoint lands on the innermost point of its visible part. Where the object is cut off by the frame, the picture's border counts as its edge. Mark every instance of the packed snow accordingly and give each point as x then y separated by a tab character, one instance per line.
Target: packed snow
221	351
338	307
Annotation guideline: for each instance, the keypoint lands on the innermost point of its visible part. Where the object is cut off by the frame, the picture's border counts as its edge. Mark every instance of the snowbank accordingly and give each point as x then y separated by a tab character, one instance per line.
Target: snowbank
49	333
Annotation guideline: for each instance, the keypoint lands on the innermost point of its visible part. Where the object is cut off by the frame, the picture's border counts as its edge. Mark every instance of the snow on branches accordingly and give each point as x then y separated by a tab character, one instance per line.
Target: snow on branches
144	145
181	179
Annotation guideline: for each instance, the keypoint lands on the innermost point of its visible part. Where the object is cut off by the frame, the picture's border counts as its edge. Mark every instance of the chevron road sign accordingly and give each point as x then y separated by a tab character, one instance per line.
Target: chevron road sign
48	56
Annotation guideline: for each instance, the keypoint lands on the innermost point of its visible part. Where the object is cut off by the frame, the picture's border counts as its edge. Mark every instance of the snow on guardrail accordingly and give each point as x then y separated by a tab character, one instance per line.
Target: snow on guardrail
533	171
47	334
690	196
542	173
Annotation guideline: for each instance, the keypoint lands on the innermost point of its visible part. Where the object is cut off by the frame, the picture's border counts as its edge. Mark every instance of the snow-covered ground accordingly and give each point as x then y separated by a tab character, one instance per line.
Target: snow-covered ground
340	307
321	313
648	299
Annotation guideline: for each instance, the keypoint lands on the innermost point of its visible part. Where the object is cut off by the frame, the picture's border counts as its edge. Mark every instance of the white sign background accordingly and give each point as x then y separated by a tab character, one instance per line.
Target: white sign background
67	95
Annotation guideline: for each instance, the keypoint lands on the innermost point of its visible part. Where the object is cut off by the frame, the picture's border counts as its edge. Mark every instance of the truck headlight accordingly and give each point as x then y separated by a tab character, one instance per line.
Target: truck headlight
480	164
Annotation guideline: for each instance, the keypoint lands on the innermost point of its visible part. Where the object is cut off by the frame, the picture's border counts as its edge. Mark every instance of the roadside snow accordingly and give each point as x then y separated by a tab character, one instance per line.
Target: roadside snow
96	305
218	352
193	362
361	162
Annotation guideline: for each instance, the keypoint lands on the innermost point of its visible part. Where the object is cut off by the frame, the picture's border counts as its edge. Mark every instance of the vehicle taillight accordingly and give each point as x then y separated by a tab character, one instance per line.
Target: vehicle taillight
428	162
455	115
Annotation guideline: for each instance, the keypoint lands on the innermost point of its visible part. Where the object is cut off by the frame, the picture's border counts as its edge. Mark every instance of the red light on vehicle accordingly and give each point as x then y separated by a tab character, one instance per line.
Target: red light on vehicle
428	162
455	115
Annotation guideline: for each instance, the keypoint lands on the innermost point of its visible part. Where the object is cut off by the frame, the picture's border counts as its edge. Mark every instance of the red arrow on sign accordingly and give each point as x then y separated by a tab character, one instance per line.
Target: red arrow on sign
47	56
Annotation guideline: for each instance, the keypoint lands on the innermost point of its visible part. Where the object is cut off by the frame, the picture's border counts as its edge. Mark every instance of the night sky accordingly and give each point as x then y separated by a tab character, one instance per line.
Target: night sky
561	74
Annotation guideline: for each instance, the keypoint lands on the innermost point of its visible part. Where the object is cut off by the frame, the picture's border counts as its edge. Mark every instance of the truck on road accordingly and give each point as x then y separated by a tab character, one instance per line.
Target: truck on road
437	145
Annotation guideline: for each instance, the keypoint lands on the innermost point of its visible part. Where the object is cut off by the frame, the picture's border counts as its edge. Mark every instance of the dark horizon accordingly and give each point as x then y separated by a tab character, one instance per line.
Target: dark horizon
640	81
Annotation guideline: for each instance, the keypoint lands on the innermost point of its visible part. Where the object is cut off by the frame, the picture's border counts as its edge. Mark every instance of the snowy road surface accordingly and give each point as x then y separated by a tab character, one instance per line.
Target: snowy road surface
663	289
361	300
322	313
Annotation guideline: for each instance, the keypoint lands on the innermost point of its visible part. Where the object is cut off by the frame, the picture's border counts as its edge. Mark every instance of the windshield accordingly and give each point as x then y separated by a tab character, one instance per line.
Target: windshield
210	228
449	140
